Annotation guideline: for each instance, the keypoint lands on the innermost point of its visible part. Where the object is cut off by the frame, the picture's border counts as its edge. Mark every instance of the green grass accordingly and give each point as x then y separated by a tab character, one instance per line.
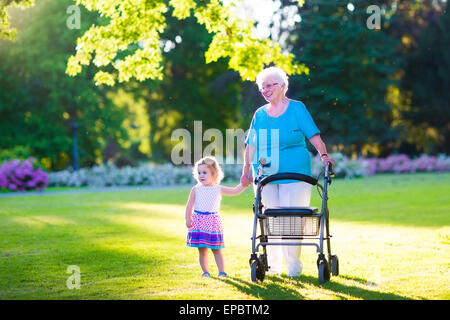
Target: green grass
4	190
391	233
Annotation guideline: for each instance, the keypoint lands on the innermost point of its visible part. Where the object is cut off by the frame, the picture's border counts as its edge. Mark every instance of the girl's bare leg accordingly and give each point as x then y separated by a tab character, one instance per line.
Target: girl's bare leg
203	259
220	260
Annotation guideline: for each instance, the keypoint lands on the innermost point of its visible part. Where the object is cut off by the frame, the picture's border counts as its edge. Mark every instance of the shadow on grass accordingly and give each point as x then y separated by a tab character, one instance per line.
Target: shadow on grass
354	291
275	287
267	291
114	258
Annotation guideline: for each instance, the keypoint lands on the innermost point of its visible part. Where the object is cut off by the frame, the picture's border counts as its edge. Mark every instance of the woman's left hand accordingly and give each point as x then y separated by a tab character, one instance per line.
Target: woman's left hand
326	159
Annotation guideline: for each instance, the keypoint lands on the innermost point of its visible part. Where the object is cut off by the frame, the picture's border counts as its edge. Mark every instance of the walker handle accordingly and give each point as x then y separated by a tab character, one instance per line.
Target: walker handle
329	170
288	176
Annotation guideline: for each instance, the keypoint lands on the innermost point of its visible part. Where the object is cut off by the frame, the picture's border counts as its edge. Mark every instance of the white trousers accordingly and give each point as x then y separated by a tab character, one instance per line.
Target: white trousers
295	194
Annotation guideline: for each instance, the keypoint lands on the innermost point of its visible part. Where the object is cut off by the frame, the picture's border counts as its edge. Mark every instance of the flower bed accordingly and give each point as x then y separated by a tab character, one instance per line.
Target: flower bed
168	174
19	175
144	174
402	164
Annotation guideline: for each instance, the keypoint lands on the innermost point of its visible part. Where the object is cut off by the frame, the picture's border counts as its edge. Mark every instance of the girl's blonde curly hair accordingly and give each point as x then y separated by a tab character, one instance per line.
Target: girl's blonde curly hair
213	165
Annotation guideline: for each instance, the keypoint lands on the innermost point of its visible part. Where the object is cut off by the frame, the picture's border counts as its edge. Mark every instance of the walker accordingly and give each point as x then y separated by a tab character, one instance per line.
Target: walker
291	223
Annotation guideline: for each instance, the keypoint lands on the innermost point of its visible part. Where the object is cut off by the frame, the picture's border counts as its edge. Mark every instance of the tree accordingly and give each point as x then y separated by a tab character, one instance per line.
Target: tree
6	32
190	89
41	102
128	45
427	79
125	44
350	71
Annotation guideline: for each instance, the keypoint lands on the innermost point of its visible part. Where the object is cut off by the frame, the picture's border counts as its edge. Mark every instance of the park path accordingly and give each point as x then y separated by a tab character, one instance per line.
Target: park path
88	190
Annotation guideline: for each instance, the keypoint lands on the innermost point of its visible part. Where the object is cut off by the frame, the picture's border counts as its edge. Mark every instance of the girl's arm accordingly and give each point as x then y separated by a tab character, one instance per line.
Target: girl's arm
189	208
232	191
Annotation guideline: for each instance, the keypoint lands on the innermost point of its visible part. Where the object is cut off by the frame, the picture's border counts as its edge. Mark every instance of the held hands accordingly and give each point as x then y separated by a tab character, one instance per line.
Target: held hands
246	177
248	180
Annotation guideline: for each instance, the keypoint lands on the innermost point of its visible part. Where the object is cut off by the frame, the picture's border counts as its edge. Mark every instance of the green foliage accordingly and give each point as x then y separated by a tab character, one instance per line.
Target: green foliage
133	31
40	102
190	90
427	78
350	71
6	32
176	61
17	152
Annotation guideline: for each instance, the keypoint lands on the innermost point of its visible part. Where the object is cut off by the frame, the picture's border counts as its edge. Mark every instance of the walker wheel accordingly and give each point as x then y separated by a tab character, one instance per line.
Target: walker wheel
334	262
254	270
257	272
262	268
324	272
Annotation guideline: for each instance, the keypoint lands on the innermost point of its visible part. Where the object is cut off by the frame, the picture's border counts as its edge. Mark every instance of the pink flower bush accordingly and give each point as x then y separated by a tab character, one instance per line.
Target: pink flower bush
403	164
105	175
19	175
370	164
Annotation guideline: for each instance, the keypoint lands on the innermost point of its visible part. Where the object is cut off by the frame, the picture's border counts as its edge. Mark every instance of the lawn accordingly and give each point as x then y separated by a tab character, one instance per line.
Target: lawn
391	233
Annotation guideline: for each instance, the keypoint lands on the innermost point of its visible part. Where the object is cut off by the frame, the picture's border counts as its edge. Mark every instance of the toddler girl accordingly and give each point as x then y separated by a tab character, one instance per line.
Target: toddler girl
204	223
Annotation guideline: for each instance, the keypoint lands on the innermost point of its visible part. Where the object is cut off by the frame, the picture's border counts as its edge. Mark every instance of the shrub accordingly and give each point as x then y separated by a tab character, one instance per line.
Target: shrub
19	175
18	152
147	174
344	167
402	164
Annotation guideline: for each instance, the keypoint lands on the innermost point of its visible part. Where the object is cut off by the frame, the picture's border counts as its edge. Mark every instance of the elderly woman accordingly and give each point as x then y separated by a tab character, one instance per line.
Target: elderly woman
277	133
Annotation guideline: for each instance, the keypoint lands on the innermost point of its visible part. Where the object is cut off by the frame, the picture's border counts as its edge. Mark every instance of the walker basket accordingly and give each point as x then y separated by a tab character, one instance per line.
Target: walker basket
292	226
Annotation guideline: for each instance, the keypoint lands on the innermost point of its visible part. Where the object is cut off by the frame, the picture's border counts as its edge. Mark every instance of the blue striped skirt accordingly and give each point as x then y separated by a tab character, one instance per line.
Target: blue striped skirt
206	231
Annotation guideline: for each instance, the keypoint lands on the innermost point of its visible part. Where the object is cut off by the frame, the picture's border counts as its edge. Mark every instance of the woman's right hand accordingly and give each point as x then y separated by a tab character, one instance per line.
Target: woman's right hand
246	177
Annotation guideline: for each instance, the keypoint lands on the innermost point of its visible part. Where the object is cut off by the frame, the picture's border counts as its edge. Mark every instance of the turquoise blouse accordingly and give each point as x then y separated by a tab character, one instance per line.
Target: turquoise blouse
281	140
